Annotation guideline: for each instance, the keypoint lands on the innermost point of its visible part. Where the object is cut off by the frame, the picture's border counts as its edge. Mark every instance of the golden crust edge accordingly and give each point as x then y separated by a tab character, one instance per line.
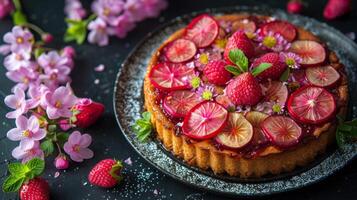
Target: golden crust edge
197	154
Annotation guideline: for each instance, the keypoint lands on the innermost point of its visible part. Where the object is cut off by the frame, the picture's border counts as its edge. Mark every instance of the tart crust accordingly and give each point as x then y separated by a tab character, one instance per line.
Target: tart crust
271	160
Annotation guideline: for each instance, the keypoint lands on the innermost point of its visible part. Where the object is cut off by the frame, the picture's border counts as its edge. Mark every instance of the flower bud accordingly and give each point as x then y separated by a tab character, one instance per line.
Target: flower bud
61	162
47	37
69	51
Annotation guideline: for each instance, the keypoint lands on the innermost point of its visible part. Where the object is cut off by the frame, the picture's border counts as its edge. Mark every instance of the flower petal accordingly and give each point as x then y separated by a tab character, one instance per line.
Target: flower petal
86	153
33	124
52	112
75	138
39	135
85	141
15	134
76	157
18	153
21	122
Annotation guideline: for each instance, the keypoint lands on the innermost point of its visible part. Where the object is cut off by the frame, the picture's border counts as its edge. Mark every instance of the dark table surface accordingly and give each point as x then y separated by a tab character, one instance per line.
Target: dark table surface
142	181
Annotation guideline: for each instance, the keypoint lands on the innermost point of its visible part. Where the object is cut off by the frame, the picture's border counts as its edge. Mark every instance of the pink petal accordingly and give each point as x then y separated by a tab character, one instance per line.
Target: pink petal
39	135
15	134
9	38
21	122
11	101
85	141
14	114
68	148
75	138
52	112
33	124
27	144
76	157
86	153
18	153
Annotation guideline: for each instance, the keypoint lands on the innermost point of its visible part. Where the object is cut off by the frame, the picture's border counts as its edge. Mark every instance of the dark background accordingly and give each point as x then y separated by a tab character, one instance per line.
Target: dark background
142	181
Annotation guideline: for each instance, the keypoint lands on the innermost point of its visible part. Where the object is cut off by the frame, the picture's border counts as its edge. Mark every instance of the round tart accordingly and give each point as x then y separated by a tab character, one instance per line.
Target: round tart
245	95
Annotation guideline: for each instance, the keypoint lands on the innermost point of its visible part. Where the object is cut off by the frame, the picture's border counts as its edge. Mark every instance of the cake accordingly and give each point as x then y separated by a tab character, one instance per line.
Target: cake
245	95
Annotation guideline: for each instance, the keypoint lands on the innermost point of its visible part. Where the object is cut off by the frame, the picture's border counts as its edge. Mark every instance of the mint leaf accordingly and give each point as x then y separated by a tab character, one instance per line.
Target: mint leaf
19	18
346	131
13	183
38	52
36	167
233	70
237	57
143	127
47	147
18	169
76	31
260	68
285	76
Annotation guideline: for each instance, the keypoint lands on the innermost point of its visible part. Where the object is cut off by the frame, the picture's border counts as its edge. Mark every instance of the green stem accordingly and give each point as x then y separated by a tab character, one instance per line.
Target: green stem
59	148
17	4
34	28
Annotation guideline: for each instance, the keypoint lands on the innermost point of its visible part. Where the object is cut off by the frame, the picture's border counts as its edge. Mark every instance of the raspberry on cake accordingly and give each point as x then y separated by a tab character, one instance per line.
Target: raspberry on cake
265	110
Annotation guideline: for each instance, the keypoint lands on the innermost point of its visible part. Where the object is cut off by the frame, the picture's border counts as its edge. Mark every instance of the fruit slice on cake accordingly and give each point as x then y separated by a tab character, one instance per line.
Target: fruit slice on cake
285	29
178	103
275	91
282	131
311	52
310	104
180	50
322	76
202	31
256	119
237	133
170	76
205	120
248	26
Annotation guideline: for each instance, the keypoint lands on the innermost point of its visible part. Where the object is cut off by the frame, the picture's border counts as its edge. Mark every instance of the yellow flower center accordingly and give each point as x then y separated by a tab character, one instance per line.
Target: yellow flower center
18	57
25	80
106	11
195	82
26	133
269	41
19	40
58	104
207	95
76	148
290	62
276	108
203	58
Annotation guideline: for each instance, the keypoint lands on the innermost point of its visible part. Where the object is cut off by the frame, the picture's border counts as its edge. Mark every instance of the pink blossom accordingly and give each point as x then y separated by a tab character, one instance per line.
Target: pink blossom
5	49
27	130
99	32
61	162
20	39
68	52
36	94
274	42
74	9
135	10
292	60
6	8
28	150
52	60
17	60
124	25
60	102
64	124
108	10
23	77
207	92
152	8
16	101
76	146
206	55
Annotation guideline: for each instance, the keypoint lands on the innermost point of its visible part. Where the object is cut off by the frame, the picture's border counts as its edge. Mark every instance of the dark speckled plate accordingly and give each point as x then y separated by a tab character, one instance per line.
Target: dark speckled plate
128	104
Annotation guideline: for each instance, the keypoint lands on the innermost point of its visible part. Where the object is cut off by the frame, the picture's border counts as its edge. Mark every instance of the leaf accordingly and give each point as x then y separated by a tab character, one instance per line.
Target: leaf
13	183
346	131
285	76
47	147
262	67
38	52
340	139
76	31
62	138
233	70
19	18
237	57
143	127
18	169
36	166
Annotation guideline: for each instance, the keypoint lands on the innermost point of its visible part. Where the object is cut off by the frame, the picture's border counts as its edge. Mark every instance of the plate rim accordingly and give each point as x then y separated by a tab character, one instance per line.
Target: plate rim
172	175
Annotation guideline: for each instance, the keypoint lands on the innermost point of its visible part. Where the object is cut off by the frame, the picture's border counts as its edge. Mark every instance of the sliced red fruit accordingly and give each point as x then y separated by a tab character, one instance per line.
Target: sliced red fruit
311	52
205	120
310	104
256	118
226	102
237	133
275	91
285	29
171	76
322	76
245	25
180	50
202	30
178	103
282	131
